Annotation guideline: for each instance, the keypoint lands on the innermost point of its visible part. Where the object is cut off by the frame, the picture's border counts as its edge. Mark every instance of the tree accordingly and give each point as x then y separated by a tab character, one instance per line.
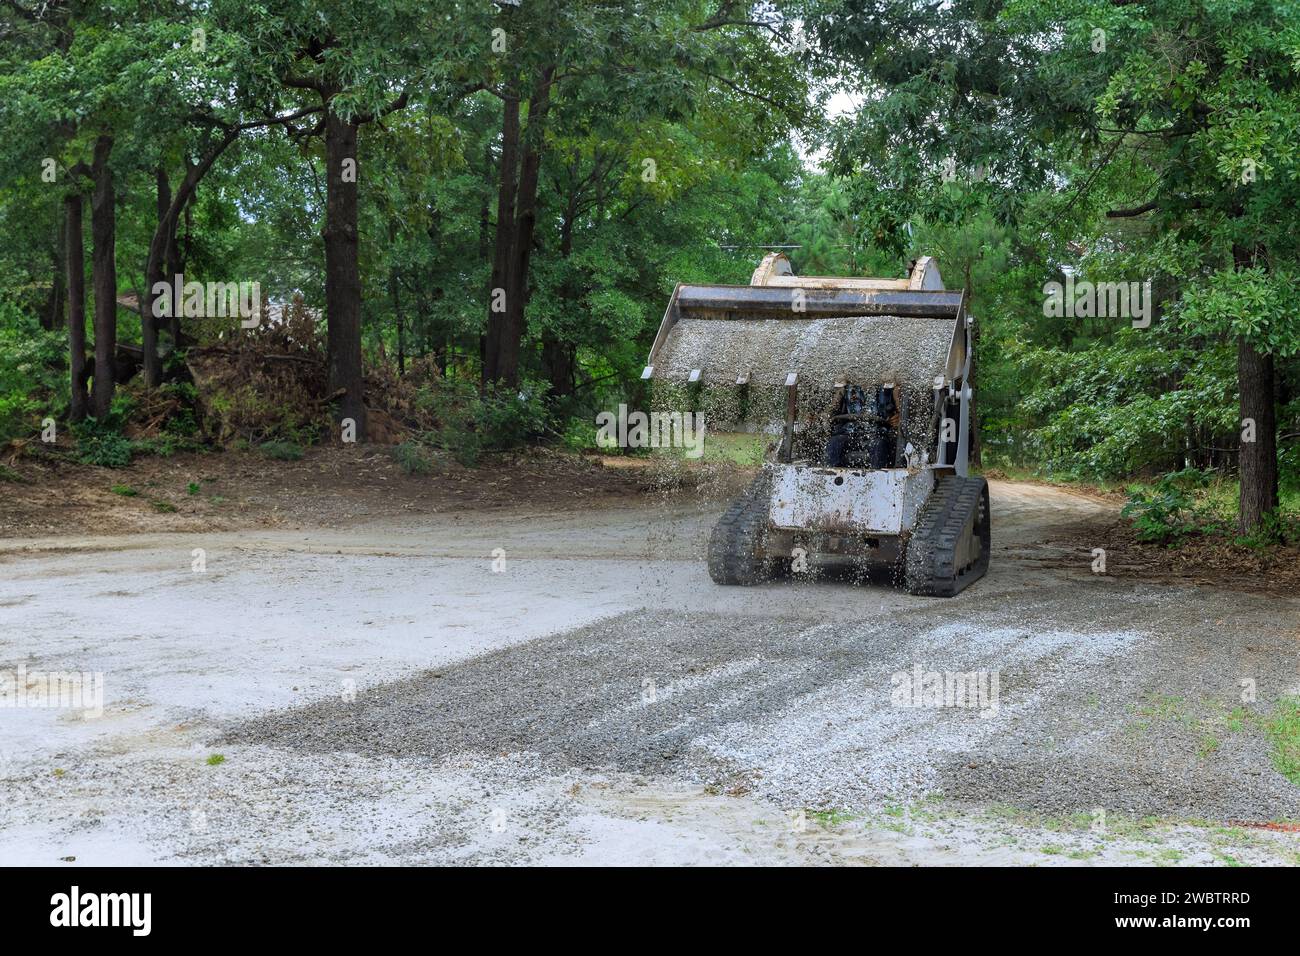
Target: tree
1208	105
1176	111
566	68
362	63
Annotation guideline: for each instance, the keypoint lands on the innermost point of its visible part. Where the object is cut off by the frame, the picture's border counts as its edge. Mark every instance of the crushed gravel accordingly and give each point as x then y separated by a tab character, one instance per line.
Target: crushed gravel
863	348
1114	711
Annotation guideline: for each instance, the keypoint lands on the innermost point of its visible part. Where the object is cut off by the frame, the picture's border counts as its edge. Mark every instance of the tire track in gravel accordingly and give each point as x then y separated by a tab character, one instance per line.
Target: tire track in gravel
803	716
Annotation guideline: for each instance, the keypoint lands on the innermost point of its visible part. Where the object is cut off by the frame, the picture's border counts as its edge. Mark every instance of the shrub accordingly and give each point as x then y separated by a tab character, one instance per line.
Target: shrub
412	458
580	433
470	423
1167	511
107	450
1284	730
32	372
281	450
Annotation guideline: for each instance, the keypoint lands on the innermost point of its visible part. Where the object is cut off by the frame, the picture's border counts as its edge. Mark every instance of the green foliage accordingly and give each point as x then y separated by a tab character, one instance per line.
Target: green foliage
32	375
412	458
126	491
471	423
1134	406
1254	304
281	450
579	433
991	135
164	446
106	449
182	423
1283	729
1275	528
1168	511
260	415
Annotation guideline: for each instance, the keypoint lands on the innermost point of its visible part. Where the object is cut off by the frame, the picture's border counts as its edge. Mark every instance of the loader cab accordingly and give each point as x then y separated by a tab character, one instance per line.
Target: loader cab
865	425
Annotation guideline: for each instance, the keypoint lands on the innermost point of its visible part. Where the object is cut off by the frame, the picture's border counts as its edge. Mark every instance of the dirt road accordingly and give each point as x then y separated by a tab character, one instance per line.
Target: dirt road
570	686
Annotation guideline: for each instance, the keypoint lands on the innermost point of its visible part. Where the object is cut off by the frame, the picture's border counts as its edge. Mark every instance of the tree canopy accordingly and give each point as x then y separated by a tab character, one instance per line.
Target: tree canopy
473	203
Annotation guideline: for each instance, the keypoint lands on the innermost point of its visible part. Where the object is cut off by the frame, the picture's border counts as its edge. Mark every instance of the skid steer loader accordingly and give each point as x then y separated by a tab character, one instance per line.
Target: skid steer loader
863	384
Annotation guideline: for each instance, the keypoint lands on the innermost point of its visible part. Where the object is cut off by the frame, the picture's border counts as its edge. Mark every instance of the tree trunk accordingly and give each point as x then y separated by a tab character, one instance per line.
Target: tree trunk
103	235
342	271
1258	497
526	227
516	223
175	267
497	322
75	263
396	295
164	251
151	369
52	315
559	358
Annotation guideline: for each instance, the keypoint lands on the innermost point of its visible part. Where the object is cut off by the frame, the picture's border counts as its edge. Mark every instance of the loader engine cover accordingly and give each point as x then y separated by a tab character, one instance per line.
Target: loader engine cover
848	500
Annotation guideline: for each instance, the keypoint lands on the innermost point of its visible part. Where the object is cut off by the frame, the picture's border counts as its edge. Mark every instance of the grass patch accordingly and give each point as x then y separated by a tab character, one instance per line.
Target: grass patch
126	491
830	818
1283	729
281	450
412	458
739	448
8	474
163	507
216	760
107	450
1236	721
1165	707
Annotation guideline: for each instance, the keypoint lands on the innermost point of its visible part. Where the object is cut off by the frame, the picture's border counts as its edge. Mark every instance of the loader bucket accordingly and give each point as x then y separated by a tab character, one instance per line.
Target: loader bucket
823	330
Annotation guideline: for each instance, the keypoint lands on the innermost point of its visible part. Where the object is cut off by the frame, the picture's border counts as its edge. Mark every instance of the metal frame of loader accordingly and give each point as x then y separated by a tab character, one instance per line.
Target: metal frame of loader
925	517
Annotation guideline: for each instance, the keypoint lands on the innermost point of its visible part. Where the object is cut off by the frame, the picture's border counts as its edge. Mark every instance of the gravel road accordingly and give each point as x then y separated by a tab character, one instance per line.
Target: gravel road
397	694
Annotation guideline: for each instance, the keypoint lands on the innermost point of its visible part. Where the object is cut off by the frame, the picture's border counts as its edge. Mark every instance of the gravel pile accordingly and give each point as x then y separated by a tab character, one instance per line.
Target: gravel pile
806	717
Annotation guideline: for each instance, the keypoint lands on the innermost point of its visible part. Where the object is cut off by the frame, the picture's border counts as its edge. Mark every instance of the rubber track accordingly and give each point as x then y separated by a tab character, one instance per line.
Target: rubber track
931	552
736	544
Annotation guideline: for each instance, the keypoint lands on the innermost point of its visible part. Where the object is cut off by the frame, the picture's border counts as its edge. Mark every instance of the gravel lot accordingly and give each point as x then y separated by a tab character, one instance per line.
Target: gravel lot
380	695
